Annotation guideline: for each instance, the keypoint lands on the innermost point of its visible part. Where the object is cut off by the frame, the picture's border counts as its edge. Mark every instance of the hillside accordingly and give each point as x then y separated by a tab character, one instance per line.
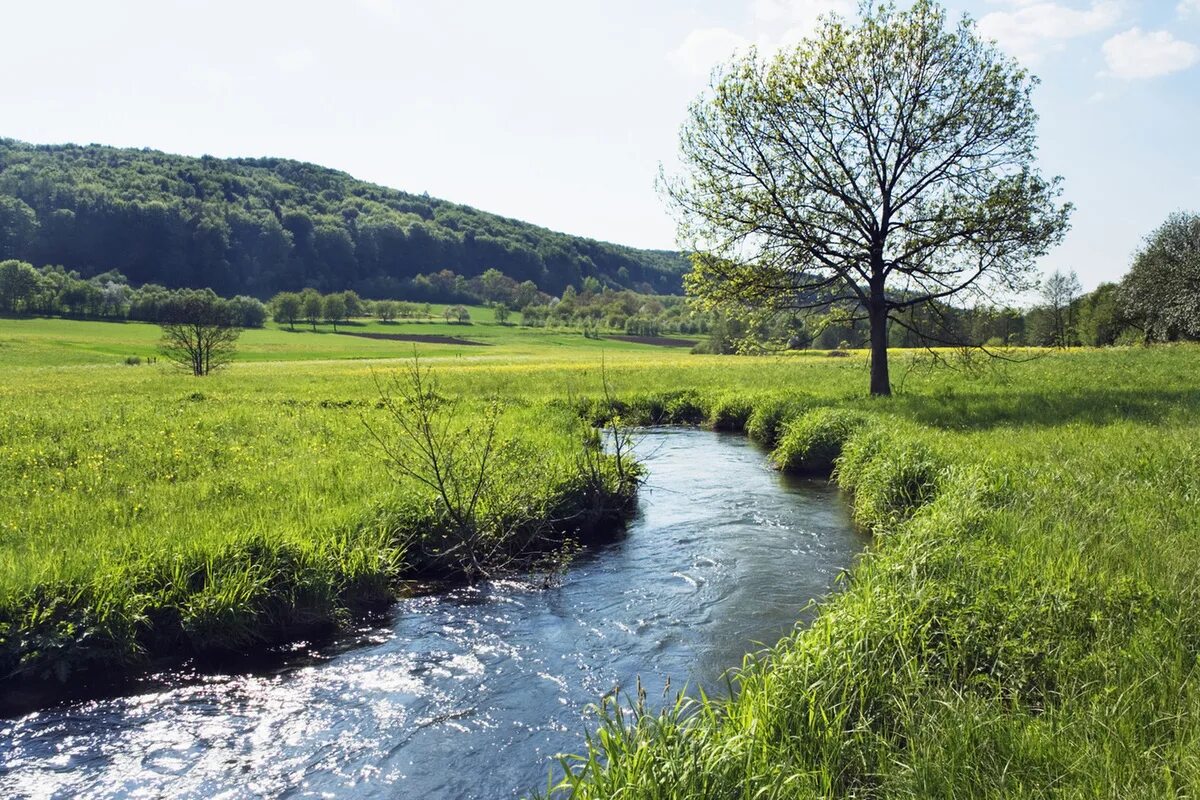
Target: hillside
258	226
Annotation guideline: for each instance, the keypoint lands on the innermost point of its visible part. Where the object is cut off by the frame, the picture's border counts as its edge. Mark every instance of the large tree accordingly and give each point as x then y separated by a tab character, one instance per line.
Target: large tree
876	166
1161	293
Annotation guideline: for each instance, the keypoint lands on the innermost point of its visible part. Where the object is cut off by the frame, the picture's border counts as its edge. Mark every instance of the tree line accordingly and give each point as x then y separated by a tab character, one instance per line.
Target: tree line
56	291
260	226
597	309
1158	300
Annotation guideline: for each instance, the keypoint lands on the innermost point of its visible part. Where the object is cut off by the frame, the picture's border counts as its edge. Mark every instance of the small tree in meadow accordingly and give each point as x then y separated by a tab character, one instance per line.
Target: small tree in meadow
334	306
311	306
355	307
286	308
502	313
386	310
199	331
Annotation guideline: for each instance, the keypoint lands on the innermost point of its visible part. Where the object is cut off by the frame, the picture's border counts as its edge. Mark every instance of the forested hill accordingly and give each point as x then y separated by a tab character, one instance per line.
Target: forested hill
257	226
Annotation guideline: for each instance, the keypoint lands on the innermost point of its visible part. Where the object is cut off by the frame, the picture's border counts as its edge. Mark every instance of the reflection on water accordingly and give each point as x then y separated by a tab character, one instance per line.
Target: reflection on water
469	694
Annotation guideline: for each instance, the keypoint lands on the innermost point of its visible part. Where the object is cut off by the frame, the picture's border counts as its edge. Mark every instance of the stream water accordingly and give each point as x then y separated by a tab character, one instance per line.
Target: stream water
470	694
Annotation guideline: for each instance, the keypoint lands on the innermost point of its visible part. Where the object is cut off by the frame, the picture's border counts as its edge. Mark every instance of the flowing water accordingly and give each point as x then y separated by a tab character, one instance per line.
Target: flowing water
469	694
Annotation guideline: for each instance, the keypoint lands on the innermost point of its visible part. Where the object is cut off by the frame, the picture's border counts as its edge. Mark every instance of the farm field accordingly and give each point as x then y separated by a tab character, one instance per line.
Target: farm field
1024	623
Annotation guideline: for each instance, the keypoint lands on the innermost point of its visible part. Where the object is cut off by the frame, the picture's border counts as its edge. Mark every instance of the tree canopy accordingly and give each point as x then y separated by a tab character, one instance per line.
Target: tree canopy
200	331
876	167
1161	293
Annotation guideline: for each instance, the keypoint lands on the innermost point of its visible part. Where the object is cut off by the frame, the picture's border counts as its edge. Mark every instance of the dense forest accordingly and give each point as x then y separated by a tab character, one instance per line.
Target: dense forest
259	226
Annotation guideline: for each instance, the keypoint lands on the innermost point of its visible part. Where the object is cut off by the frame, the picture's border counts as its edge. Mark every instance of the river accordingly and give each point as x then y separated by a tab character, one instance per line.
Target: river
469	694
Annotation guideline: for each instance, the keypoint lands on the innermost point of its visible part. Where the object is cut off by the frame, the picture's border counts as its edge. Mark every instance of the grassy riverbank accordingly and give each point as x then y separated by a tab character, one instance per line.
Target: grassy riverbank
1025	624
146	514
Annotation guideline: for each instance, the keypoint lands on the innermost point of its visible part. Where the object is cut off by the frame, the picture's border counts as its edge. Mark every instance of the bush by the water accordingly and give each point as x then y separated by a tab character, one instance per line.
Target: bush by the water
812	443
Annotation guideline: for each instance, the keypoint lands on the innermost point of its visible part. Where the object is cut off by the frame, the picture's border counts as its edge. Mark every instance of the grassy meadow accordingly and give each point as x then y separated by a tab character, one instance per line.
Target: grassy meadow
1025	624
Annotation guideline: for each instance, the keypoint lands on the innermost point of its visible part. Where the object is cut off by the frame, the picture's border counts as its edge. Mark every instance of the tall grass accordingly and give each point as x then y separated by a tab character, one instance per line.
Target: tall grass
1025	624
180	517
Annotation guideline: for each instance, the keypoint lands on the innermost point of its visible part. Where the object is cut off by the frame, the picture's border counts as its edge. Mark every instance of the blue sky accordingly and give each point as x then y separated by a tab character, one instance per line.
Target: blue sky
559	113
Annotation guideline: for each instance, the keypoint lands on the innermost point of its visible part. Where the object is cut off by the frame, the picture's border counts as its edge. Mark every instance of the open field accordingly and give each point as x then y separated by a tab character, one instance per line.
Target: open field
55	342
1024	625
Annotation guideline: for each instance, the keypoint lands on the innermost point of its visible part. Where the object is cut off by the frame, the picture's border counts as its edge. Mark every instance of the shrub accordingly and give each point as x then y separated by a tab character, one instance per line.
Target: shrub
684	408
812	443
766	421
890	475
729	413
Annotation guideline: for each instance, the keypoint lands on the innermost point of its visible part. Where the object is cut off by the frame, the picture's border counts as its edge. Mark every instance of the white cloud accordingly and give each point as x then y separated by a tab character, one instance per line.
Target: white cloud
1188	8
1148	54
1032	29
772	24
704	48
798	14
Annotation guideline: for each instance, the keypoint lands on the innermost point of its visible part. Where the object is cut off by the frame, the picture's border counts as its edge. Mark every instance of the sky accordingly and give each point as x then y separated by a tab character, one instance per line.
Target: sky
561	113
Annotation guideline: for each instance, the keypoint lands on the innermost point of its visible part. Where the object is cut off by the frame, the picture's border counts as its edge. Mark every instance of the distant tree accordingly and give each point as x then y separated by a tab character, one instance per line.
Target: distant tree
18	283
18	227
1059	291
566	303
355	307
877	166
497	287
527	293
1161	292
312	306
287	308
248	312
1099	316
199	331
386	310
77	297
502	313
334	306
113	298
458	314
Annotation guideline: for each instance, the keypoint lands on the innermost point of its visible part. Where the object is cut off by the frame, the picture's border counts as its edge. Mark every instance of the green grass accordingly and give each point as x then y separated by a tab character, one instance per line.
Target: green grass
1025	625
41	342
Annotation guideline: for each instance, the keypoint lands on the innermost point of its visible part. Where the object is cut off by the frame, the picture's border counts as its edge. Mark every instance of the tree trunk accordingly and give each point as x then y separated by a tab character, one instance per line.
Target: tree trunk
881	384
